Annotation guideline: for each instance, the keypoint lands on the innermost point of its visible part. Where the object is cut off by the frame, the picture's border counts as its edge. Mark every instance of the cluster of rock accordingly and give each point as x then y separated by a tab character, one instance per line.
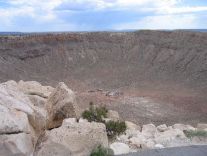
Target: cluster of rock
151	137
38	120
42	121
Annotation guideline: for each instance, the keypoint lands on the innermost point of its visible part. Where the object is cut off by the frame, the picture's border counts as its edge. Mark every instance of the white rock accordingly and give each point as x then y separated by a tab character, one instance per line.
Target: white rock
159	146
80	138
132	126
61	104
149	130
162	128
120	148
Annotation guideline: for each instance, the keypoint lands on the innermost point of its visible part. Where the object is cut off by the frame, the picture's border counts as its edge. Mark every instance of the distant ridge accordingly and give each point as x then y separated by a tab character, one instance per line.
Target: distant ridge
125	30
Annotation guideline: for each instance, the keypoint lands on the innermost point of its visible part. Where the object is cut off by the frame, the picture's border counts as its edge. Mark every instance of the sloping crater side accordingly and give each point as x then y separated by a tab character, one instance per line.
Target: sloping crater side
154	61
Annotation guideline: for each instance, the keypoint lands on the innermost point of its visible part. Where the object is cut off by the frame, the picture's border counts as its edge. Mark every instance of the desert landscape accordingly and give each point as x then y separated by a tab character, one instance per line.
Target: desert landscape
152	83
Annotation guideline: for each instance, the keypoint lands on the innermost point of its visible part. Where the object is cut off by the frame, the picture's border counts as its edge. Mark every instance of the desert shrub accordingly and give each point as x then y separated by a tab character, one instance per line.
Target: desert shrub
101	151
195	133
114	128
95	113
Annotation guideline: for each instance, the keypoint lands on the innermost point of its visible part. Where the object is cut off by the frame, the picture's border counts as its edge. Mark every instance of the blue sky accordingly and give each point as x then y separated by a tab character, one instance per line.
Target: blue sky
95	15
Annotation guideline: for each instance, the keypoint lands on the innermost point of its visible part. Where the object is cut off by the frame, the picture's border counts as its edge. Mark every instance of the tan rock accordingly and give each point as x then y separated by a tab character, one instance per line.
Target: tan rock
79	138
61	104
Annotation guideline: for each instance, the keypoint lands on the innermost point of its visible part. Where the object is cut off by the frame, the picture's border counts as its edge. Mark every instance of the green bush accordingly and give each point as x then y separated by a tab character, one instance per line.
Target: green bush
114	128
195	133
101	151
95	114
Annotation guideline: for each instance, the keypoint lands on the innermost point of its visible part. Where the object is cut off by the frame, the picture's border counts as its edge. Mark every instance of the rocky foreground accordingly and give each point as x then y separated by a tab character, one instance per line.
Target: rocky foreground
38	120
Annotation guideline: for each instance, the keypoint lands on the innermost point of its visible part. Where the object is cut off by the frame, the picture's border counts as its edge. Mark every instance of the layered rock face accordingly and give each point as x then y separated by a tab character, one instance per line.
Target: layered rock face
143	59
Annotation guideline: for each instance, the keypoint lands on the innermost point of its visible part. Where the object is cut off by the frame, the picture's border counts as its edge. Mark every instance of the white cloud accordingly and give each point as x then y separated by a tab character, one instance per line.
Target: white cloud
188	21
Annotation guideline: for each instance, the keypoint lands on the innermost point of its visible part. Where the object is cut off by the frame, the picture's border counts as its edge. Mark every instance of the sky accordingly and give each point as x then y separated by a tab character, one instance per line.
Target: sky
101	15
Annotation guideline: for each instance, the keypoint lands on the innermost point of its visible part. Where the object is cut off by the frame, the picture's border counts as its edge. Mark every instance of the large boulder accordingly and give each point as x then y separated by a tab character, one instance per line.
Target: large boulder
35	88
77	138
20	143
119	148
61	104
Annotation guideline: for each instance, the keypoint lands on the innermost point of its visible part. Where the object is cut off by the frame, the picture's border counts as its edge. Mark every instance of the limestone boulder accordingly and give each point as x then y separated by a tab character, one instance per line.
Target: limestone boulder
119	148
79	138
35	88
20	143
61	104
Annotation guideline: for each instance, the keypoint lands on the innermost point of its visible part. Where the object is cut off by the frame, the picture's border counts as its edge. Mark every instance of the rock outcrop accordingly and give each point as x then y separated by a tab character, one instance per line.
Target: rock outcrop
76	138
61	104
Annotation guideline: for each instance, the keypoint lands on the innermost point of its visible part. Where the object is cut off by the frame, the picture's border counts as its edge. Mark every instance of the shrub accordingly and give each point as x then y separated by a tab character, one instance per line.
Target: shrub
95	113
101	151
195	133
114	128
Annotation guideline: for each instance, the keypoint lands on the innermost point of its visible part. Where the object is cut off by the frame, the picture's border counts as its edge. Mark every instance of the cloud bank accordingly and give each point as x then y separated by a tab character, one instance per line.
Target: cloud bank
93	15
